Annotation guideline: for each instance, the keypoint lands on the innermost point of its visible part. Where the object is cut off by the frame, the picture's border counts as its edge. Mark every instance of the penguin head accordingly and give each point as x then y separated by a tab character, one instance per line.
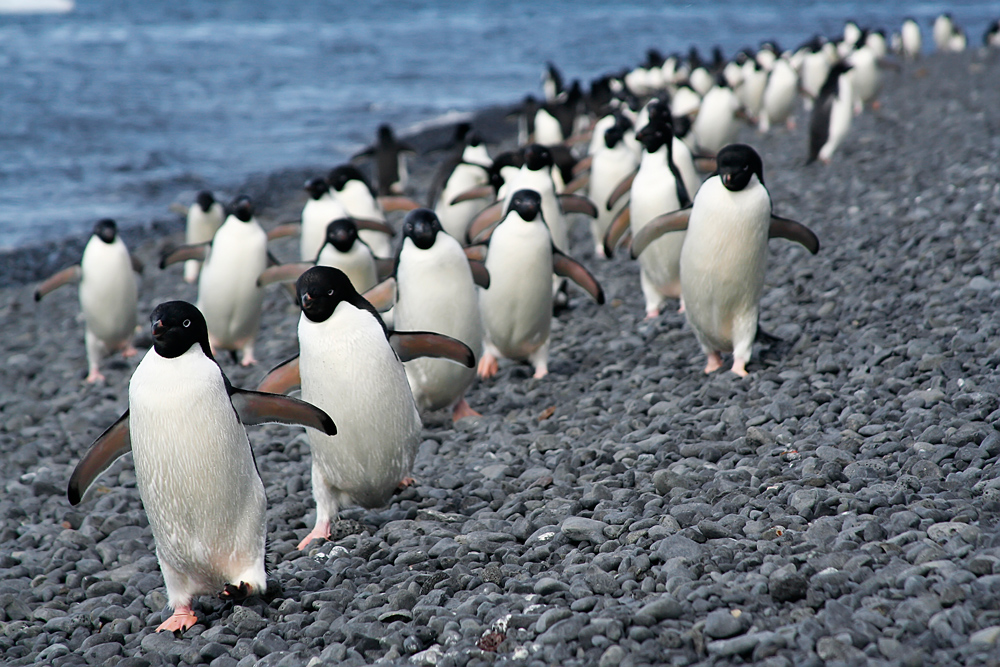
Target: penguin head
344	174
511	159
342	234
385	133
657	133
177	325
322	288
737	163
614	134
316	187
537	157
106	230
527	204
243	208
205	200
421	226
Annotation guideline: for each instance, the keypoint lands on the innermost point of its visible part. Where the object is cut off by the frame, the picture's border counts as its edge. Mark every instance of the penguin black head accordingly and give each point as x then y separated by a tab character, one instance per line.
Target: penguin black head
505	159
385	134
737	163
205	200
421	226
658	110
342	175
831	84
537	157
342	234
473	138
614	134
177	325
243	208
322	288
656	134
527	204
316	187
106	230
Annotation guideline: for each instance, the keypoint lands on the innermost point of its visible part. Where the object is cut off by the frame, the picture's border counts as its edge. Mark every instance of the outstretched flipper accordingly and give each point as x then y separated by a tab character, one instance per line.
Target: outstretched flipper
476	252
283	230
415	344
282	378
373	225
283	273
257	407
478	192
675	221
391	203
577	184
483	222
576	204
185	252
68	275
112	444
783	228
480	274
582	165
616	230
566	266
383	295
620	190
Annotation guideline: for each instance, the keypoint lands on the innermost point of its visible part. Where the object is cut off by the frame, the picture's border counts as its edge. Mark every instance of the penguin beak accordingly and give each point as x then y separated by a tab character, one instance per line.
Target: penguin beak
306	301
158	328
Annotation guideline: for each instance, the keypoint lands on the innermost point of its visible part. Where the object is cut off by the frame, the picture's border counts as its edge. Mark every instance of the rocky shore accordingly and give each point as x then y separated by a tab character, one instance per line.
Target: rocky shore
838	506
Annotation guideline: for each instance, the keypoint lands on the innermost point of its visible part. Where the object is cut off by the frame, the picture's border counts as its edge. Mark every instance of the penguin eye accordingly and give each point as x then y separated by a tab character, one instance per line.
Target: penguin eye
186	323
330	293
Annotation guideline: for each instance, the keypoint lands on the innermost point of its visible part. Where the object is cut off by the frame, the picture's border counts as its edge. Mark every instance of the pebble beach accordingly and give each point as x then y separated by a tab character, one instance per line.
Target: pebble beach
838	506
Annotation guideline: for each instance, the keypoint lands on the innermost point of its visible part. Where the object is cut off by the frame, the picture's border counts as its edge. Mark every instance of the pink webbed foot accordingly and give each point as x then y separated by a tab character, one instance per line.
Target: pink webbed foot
129	351
406	482
488	366
182	619
541	371
248	359
462	410
652	314
739	367
714	363
318	533
94	376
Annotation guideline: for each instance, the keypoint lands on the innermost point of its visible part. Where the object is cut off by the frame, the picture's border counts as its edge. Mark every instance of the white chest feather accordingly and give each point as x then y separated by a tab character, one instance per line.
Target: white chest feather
541	182
455	218
108	290
357	263
317	214
654	192
228	294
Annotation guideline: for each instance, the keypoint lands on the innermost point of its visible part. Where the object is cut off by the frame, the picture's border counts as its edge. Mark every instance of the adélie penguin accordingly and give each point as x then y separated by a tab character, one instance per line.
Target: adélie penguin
318	211
435	290
194	467
517	308
831	116
204	218
724	258
389	155
108	295
349	364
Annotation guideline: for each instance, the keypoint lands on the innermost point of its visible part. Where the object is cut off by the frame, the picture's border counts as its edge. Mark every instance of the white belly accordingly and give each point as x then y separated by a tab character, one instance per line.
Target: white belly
654	192
357	263
228	294
455	218
317	215
108	291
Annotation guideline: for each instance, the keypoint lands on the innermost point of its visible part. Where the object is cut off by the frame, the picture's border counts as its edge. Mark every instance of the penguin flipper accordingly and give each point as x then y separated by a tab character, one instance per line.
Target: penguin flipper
415	344
783	228
397	203
476	251
576	204
483	222
478	192
283	273
286	229
578	183
68	275
112	444
257	407
183	253
374	225
616	230
675	221
620	190
282	377
583	165
480	274
137	264
382	296
385	267
566	266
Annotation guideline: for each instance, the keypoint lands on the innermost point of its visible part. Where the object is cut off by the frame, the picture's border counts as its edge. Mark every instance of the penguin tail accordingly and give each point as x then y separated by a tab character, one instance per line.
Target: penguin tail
765	338
232	355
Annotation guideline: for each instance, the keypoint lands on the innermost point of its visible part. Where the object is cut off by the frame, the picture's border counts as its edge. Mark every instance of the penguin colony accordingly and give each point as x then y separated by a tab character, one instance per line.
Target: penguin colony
390	328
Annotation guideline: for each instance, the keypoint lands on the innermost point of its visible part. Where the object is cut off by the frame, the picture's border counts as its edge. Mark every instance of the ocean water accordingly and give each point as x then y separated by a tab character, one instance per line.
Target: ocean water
116	109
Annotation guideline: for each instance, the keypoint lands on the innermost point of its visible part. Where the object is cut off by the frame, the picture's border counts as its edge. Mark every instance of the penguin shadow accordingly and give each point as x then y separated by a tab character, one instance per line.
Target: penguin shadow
772	350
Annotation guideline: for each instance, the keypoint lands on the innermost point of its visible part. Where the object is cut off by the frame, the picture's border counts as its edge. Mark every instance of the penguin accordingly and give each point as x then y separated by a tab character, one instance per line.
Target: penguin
349	187
751	93
814	70
317	213
657	189
852	35
203	219
779	96
942	31
517	308
389	155
194	467
108	295
348	365
684	102
866	77
991	38
470	172
610	166
552	82
436	291
831	117
715	125
342	249
228	294
724	258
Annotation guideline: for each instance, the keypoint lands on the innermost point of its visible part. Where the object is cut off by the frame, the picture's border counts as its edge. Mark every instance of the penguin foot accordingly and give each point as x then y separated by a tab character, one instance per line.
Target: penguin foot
182	619
462	410
739	367
317	533
248	359
129	351
406	482
236	593
488	366
714	363
681	309
541	371
94	376
652	314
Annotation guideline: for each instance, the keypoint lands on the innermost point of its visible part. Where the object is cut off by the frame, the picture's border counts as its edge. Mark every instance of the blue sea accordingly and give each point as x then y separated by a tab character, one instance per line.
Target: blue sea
116	109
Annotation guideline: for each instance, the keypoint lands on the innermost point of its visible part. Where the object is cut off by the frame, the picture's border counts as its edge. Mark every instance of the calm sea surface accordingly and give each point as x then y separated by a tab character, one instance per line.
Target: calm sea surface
116	109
